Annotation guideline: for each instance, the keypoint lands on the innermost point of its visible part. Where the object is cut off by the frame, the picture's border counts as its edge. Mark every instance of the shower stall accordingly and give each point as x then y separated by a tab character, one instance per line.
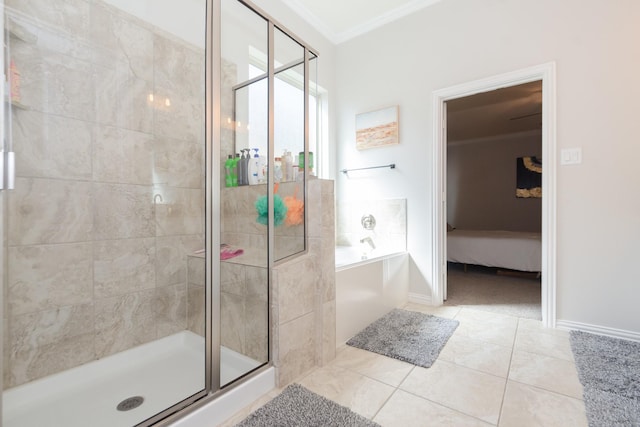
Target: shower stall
118	115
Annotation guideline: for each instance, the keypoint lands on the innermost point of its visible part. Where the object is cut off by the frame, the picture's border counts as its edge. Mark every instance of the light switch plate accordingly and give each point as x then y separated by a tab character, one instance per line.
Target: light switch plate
571	156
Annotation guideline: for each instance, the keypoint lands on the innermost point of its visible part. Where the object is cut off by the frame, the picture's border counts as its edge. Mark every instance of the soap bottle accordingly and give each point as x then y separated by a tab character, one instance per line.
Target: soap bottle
254	164
288	166
263	169
277	169
228	167
242	168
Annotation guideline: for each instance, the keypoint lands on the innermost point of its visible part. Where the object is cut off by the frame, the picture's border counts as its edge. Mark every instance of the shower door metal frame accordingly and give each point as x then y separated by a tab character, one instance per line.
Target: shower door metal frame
213	84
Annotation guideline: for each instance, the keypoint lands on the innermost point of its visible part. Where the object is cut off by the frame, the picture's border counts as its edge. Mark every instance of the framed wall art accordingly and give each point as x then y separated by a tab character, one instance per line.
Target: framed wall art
377	128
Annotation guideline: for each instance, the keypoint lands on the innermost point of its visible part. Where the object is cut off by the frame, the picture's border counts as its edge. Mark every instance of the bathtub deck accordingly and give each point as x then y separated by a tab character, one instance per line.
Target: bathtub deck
164	372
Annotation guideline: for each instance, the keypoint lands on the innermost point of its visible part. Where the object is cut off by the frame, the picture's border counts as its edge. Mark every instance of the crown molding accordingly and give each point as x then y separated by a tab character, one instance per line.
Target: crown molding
340	37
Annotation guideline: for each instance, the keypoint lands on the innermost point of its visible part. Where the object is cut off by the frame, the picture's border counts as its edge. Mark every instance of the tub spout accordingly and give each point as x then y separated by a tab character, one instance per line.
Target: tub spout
368	240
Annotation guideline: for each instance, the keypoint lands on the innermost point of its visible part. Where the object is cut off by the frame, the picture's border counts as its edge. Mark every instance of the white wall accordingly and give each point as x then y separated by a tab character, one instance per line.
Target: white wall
595	46
481	184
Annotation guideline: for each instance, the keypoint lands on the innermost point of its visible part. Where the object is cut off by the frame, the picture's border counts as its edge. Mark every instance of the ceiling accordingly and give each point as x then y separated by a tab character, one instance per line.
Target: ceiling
341	20
504	111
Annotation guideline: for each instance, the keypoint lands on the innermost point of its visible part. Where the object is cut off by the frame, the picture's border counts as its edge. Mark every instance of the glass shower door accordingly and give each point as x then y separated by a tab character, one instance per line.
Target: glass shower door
104	291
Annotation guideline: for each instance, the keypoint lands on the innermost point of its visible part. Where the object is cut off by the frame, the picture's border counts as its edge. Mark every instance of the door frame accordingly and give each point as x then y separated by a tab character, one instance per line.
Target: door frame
546	73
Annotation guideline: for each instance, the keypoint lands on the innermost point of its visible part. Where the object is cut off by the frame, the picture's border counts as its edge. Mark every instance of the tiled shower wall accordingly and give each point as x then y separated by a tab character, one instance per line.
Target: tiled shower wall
109	193
390	233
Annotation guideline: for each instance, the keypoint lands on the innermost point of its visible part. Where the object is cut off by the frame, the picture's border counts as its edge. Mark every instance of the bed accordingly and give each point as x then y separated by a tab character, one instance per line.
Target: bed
504	249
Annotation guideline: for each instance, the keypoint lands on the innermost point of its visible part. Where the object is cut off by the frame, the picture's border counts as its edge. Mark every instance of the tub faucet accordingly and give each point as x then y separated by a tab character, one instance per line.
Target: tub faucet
368	240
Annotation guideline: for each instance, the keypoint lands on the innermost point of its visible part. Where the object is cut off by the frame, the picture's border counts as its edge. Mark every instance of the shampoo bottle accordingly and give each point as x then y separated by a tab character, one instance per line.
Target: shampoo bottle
253	169
242	169
288	166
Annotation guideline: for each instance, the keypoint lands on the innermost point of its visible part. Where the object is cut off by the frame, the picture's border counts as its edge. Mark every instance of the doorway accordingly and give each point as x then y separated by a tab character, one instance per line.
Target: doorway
546	74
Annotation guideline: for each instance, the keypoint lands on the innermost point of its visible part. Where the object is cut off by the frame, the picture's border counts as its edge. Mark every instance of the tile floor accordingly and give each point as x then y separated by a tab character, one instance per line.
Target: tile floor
495	370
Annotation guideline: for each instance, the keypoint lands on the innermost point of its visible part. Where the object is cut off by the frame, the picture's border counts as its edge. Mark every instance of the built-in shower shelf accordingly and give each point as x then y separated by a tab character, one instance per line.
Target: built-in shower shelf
19	105
20	32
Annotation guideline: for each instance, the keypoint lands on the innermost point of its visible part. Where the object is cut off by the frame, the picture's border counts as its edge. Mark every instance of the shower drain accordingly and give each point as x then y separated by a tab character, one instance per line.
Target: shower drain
130	403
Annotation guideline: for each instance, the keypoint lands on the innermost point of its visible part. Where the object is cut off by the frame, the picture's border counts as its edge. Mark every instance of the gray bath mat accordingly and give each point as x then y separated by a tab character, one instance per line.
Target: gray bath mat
406	335
609	370
297	406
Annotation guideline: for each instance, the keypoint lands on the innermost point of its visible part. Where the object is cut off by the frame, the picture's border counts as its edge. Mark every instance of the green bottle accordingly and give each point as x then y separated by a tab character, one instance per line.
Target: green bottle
234	171
228	167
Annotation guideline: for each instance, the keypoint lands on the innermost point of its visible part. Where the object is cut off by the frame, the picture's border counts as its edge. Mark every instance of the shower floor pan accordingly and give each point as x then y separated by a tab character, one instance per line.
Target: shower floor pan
162	372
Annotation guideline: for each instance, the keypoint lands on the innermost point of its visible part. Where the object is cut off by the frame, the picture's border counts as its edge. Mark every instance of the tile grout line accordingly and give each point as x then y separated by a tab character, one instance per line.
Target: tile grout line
506	383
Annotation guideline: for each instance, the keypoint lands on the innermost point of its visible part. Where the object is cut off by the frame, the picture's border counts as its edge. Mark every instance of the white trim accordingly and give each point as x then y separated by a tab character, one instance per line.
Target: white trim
546	73
600	330
365	27
419	298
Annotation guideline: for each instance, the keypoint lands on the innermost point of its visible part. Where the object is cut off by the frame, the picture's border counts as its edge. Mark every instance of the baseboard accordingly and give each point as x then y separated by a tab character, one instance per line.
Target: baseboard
420	298
600	330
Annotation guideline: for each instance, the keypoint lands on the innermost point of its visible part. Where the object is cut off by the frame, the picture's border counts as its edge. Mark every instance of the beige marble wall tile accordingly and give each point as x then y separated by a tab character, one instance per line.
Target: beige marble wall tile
49	211
56	83
123	266
257	329
33	336
296	348
33	330
67	353
180	212
50	146
196	270
179	163
328	351
49	276
233	278
184	117
314	206
327	267
232	317
123	156
122	211
121	37
124	322
6	367
297	288
257	279
196	309
72	15
171	257
122	99
171	309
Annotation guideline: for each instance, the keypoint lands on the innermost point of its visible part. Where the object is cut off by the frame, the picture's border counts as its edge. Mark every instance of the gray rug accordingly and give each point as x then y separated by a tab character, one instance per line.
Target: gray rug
409	336
297	406
609	370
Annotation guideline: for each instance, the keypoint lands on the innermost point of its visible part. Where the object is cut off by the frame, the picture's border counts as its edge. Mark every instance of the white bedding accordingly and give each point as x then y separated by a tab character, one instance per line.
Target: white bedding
507	249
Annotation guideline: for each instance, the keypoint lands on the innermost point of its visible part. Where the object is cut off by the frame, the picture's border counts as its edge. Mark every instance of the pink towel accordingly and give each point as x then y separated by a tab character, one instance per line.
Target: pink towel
227	251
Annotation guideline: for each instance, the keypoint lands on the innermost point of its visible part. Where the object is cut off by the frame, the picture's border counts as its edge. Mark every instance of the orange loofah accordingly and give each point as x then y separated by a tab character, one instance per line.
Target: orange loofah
295	210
